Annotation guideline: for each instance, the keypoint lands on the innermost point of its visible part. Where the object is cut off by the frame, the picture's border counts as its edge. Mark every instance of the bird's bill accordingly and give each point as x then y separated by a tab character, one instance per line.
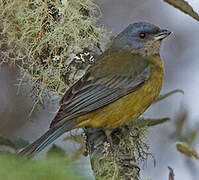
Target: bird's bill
162	34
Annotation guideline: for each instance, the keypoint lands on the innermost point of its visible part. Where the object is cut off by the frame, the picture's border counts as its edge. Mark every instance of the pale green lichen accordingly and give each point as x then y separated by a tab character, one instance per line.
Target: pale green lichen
132	151
106	168
42	38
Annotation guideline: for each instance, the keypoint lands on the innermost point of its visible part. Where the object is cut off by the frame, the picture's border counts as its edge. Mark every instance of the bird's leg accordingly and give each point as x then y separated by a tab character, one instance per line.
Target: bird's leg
109	138
163	96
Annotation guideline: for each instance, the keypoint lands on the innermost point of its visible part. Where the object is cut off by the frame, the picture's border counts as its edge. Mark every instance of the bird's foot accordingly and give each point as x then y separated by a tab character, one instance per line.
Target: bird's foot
109	139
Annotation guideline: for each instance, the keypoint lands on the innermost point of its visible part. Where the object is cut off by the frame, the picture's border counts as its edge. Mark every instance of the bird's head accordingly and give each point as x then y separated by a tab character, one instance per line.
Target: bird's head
140	38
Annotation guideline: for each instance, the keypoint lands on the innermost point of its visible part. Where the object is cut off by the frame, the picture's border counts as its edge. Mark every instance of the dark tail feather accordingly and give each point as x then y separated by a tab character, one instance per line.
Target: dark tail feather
47	139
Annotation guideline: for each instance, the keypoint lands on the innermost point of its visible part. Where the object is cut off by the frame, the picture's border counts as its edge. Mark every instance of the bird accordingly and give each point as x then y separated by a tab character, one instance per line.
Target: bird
125	80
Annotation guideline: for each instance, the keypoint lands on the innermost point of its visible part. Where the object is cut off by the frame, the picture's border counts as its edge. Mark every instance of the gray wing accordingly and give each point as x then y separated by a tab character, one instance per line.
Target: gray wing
89	94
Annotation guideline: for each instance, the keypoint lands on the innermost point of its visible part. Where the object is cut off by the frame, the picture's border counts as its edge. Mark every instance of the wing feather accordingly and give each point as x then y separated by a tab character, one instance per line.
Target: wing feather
89	94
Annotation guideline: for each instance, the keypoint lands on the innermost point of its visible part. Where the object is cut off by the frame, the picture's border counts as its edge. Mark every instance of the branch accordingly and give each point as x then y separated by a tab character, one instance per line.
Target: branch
113	161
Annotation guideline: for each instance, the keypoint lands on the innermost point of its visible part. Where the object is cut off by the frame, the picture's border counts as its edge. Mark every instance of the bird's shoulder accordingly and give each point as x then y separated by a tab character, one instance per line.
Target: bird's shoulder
104	83
118	62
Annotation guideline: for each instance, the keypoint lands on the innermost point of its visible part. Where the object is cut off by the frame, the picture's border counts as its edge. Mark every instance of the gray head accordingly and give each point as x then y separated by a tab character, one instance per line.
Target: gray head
140	38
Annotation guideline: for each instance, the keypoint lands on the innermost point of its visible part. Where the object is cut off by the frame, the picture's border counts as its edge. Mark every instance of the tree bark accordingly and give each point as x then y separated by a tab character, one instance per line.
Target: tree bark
111	160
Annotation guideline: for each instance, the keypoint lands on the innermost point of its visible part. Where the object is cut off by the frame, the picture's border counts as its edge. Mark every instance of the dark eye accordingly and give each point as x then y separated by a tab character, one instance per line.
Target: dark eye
142	35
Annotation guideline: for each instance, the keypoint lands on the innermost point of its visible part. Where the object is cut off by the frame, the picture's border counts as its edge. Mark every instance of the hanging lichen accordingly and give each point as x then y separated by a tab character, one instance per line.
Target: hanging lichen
42	37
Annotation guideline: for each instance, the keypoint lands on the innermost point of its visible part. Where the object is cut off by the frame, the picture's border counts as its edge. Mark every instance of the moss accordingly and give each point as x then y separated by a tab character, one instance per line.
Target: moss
128	151
43	37
106	168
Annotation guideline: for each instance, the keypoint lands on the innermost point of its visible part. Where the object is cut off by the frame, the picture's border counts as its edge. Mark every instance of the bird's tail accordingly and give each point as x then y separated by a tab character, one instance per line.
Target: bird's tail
47	139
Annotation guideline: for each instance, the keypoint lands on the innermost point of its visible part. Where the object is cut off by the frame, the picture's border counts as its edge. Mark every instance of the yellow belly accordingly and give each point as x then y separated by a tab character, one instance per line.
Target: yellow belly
129	107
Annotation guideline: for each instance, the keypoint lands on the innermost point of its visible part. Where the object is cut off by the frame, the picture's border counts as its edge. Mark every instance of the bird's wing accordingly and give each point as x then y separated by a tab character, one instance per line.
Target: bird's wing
91	93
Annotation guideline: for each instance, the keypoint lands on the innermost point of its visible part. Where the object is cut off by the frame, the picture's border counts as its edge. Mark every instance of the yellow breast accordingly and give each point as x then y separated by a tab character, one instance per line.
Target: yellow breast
131	106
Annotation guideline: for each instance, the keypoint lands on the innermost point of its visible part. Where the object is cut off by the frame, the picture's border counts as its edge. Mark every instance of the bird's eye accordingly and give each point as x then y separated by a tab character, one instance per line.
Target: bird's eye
142	35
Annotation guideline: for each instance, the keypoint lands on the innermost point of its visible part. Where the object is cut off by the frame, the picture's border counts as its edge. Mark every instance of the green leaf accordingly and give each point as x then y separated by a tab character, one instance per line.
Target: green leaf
184	7
17	168
142	122
163	96
187	150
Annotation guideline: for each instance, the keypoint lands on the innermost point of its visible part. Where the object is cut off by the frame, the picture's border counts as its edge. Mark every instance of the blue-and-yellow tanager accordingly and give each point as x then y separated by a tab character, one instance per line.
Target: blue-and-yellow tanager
123	83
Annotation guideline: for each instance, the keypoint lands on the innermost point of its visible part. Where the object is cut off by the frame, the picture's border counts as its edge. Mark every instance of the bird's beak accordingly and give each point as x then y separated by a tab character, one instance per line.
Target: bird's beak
163	33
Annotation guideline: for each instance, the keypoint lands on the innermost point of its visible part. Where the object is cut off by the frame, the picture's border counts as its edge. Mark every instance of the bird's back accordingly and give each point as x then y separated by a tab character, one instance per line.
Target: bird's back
133	104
